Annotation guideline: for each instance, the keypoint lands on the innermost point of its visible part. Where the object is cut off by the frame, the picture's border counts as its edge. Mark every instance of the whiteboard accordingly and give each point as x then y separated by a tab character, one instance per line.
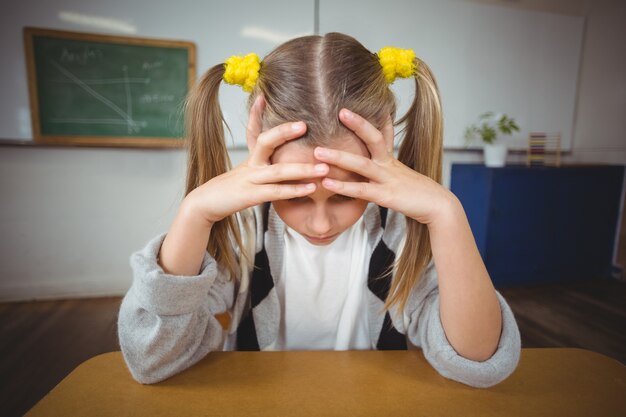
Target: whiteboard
484	57
219	30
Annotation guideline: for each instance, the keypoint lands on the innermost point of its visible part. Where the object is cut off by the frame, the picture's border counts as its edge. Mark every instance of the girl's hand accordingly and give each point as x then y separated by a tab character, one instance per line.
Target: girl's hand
391	183
256	180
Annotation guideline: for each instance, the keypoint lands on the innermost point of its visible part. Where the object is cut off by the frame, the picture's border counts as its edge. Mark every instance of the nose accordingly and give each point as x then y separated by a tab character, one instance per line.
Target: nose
320	222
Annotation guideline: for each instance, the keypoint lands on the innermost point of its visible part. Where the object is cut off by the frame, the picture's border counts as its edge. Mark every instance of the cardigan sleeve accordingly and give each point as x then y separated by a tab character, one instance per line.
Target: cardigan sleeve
167	323
426	330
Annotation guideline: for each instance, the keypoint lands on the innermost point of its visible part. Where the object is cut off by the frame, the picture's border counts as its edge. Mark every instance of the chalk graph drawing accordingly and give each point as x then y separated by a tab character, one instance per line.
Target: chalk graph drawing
126	117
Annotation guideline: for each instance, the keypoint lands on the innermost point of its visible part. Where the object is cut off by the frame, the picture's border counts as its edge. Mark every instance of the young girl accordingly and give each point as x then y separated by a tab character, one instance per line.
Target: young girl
321	239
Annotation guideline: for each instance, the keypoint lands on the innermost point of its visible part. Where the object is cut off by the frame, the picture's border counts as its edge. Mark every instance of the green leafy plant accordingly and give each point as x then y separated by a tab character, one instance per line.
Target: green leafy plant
489	126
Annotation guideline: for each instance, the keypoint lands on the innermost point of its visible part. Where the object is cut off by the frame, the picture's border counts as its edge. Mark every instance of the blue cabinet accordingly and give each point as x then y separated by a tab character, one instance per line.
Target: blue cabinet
542	224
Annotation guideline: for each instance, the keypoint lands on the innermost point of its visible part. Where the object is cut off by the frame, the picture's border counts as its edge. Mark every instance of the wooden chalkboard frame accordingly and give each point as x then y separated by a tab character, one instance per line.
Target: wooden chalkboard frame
103	141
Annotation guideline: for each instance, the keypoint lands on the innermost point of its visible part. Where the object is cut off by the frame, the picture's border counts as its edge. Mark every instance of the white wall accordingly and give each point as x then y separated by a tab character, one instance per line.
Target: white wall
485	58
521	62
600	124
70	217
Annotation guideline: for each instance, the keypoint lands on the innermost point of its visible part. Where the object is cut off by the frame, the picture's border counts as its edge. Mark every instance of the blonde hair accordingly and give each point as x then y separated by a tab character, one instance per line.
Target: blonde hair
310	79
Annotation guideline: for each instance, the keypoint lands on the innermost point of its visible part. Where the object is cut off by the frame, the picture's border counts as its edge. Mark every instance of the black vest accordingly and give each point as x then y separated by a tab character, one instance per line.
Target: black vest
261	283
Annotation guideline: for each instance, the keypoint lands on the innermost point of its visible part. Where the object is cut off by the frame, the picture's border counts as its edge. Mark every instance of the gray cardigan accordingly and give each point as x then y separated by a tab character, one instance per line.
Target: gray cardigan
167	323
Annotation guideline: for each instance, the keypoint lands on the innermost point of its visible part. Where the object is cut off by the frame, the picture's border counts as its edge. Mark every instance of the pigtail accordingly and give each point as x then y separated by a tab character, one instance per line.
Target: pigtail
421	150
208	158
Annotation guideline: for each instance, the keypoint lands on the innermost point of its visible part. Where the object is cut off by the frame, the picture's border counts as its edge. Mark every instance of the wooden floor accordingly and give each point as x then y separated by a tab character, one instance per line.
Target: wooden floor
42	342
590	315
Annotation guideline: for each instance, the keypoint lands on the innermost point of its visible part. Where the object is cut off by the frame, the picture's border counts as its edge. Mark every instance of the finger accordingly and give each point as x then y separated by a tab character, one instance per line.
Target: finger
255	122
273	192
288	172
388	134
361	190
350	162
271	139
374	140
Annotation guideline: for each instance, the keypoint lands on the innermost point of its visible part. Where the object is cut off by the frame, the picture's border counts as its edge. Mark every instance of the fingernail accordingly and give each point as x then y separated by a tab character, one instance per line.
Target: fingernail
329	182
296	126
310	187
347	114
320	168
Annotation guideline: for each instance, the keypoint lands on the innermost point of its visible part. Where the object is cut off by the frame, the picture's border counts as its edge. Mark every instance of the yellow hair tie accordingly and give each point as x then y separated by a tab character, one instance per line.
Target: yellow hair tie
397	62
242	70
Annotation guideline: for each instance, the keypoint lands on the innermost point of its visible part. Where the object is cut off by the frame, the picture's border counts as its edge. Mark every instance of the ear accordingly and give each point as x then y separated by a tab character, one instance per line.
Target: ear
255	122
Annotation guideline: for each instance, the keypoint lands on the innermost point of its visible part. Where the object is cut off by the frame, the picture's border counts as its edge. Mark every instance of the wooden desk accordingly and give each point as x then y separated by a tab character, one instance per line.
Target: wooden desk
548	382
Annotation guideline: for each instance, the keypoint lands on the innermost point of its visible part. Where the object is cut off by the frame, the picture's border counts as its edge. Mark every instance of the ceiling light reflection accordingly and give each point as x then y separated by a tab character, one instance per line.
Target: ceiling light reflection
98	22
267	35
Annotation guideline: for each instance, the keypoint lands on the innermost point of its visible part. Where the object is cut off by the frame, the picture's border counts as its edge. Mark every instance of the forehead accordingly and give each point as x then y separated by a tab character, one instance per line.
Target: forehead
296	152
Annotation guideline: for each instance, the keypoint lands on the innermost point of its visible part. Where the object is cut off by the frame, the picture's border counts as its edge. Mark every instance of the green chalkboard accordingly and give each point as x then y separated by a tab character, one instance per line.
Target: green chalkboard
101	90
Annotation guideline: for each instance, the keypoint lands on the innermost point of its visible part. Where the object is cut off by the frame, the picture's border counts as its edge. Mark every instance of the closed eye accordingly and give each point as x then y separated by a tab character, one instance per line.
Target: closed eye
297	199
340	197
336	197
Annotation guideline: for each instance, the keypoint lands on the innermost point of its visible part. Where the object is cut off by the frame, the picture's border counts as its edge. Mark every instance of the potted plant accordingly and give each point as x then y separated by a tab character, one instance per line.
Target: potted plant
488	128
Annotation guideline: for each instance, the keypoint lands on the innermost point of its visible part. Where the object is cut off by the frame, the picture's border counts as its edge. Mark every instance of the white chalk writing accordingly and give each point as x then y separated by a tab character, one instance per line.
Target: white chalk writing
81	57
156	98
151	65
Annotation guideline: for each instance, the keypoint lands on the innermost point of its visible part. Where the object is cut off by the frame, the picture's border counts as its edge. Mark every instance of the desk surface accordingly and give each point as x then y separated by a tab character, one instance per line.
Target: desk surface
547	382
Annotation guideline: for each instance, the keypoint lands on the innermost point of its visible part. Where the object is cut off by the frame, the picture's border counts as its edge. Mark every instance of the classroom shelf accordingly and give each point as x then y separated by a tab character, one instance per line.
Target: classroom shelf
543	224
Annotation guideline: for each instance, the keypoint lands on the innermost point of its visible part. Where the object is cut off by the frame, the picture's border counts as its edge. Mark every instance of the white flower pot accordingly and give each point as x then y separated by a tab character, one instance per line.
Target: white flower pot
495	154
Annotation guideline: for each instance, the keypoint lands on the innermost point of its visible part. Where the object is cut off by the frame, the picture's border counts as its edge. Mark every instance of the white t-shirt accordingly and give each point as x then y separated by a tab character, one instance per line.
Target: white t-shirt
322	292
